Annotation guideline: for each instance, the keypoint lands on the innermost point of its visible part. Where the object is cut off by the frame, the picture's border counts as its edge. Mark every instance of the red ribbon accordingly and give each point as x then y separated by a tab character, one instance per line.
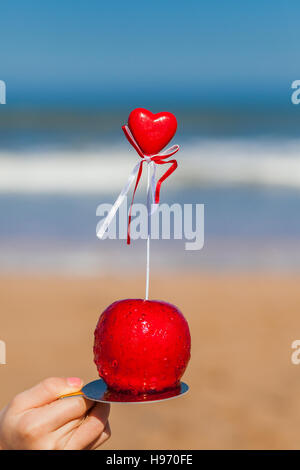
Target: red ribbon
159	159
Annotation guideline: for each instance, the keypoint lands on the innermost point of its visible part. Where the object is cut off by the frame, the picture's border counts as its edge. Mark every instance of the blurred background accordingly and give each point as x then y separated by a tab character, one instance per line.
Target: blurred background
74	70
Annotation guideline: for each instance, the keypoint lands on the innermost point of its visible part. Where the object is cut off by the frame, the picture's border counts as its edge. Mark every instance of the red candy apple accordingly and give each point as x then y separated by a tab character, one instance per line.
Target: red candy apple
141	346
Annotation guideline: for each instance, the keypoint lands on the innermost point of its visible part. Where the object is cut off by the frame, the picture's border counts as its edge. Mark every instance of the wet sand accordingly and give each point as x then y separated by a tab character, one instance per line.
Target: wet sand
245	392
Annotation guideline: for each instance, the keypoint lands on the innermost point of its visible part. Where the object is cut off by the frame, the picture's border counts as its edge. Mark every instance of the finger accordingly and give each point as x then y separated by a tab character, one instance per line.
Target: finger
103	438
67	429
46	392
91	428
60	412
63	434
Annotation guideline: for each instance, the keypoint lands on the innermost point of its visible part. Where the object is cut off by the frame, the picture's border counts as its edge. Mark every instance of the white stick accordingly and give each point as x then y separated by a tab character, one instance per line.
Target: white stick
148	237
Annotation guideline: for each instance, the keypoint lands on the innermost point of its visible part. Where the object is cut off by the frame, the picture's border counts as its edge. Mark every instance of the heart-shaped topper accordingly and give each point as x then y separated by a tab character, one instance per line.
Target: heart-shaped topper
152	131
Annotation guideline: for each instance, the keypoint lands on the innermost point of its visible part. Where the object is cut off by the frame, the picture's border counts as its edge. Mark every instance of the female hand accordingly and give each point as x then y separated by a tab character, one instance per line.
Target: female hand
36	419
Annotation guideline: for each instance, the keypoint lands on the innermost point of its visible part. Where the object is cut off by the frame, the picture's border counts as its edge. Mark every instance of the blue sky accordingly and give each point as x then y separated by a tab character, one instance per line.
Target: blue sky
177	47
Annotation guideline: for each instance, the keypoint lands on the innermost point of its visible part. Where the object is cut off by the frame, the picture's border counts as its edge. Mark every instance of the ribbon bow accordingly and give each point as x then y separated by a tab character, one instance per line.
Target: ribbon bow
153	160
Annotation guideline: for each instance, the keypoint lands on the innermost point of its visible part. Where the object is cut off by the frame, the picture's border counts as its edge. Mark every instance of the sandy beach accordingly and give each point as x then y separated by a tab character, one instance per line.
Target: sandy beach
244	389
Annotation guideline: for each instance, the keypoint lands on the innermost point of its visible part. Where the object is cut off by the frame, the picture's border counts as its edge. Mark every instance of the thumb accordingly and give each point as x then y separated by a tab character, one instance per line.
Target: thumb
46	392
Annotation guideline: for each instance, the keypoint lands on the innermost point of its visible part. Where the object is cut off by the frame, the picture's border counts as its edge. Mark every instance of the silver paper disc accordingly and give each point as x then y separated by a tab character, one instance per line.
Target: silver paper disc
98	391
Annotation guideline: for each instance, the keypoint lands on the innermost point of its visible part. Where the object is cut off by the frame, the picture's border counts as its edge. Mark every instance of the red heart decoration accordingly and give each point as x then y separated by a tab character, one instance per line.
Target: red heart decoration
152	131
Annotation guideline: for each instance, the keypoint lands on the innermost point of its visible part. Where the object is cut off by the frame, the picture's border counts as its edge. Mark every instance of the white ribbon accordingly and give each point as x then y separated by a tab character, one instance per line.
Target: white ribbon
150	193
152	208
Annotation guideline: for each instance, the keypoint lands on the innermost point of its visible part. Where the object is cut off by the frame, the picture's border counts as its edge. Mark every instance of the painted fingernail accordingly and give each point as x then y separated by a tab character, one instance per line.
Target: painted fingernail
74	381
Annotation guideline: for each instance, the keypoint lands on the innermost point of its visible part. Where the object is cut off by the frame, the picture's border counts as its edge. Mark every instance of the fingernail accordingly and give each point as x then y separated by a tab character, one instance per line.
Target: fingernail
74	382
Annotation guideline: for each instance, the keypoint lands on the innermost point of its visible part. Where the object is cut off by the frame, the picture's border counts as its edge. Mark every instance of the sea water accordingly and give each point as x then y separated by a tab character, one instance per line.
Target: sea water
58	165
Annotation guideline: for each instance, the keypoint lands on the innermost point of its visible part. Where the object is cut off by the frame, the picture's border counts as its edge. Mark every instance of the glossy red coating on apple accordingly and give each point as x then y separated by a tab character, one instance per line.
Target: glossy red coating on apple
141	346
152	131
